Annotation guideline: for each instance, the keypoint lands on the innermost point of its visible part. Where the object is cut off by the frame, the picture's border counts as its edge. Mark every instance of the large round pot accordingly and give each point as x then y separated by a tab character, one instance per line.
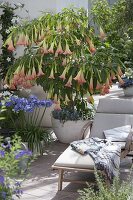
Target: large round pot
128	91
69	131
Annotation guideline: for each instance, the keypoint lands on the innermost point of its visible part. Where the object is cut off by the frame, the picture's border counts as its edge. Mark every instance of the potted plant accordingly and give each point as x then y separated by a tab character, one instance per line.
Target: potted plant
127	84
63	55
71	122
28	122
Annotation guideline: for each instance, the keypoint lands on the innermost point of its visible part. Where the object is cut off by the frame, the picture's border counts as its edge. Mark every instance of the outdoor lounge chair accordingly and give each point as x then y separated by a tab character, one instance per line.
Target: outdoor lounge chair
111	113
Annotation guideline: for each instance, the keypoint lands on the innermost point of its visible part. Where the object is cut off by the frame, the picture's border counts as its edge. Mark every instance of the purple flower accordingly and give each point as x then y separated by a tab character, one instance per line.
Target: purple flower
2	180
23	153
6	145
0	104
49	103
2	154
8	103
18	192
28	108
3	194
43	102
18	184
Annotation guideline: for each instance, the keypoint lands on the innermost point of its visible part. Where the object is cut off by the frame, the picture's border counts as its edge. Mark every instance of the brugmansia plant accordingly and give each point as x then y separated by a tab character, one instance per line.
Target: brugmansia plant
64	55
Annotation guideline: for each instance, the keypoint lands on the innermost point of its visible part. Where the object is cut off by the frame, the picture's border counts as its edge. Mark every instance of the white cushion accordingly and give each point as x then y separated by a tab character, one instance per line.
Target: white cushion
70	158
118	133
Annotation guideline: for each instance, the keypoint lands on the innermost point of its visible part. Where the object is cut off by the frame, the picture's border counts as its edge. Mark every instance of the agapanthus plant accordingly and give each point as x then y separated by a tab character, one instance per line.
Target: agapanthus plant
28	124
12	173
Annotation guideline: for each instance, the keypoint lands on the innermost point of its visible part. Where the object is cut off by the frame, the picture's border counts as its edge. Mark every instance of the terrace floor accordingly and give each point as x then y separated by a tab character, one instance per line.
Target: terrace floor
42	183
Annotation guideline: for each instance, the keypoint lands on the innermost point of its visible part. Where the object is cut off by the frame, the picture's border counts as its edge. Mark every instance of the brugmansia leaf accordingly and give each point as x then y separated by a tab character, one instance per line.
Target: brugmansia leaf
104	75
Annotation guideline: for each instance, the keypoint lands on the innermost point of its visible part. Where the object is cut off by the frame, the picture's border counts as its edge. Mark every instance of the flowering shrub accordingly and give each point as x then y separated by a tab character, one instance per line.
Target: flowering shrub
64	56
11	156
27	125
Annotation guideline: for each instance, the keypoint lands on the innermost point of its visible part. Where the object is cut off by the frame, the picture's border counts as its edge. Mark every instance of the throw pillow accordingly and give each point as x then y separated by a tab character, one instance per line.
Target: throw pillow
118	134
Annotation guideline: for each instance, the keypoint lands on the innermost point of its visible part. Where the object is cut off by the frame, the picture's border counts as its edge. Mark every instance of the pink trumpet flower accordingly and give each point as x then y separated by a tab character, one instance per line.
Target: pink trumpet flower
21	39
40	73
12	87
92	48
91	45
41	36
51	49
91	85
52	74
10	46
69	82
113	76
66	98
90	99
119	71
107	85
78	42
105	90
64	62
21	72
33	75
67	50
26	85
120	80
55	98
99	86
28	76
102	34
80	77
16	77
62	76
59	49
57	106
44	49
20	81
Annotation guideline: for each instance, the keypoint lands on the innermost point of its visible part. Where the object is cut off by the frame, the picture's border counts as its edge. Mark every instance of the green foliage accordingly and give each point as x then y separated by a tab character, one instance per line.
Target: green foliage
6	22
7	116
117	191
11	173
117	22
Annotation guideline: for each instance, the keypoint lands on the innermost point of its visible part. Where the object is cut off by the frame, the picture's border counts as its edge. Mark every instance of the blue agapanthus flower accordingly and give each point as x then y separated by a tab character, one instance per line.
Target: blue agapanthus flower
26	104
2	153
3	194
2	179
22	153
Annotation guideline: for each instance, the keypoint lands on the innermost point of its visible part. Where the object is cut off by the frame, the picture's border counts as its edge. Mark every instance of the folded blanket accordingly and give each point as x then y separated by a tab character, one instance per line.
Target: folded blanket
106	155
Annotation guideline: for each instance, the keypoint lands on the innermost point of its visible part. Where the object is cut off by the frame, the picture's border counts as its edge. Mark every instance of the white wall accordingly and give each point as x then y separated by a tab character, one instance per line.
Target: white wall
35	7
60	4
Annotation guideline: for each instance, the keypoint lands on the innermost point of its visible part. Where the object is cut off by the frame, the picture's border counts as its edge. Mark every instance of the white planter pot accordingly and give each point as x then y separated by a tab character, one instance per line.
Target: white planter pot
69	131
128	91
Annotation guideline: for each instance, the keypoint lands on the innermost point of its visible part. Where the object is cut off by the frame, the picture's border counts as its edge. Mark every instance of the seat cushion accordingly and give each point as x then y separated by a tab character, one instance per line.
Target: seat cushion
70	158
